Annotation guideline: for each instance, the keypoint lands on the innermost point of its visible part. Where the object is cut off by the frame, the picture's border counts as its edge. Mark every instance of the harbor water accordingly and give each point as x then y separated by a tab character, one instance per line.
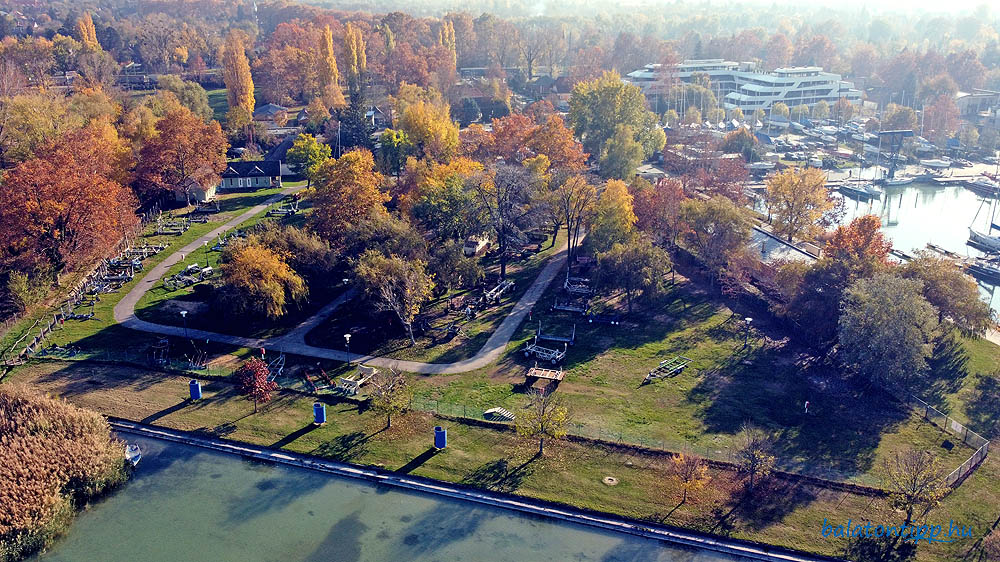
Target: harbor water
188	503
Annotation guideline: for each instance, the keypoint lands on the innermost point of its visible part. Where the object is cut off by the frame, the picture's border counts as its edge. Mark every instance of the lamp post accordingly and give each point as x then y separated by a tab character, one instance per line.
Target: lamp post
347	346
746	336
184	316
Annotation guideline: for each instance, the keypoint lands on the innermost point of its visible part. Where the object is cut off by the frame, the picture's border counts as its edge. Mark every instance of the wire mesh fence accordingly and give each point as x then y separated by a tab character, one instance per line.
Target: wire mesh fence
954	427
621	436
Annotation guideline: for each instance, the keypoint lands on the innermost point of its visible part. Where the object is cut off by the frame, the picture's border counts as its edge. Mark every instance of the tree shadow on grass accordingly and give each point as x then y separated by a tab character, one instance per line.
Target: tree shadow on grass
499	475
983	408
947	370
837	438
345	448
770	501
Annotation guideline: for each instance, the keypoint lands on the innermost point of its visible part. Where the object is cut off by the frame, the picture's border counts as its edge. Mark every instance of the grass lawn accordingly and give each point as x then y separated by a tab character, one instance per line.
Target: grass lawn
844	436
568	472
219	103
163	306
380	334
778	512
100	333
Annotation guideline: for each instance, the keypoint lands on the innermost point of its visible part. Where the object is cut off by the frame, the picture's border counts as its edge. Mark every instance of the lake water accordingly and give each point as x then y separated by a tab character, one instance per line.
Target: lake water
929	212
188	503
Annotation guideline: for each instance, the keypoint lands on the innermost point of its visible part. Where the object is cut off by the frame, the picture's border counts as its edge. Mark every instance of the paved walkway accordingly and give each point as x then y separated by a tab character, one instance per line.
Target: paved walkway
294	341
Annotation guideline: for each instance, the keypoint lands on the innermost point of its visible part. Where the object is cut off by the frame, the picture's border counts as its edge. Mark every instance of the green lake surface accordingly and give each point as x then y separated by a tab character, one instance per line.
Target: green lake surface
186	503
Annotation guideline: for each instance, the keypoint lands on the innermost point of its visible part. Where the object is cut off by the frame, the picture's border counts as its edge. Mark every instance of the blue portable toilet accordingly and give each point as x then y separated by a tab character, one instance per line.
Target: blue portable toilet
319	413
195	388
440	437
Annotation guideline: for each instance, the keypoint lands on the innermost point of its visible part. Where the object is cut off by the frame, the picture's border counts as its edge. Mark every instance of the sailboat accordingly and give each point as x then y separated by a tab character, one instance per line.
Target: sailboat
985	240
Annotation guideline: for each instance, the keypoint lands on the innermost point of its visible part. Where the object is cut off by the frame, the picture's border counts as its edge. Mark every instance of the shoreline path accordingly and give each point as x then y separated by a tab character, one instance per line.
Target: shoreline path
294	341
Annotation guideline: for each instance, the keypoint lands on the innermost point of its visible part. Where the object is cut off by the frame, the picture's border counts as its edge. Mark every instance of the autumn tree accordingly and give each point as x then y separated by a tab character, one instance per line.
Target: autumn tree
506	197
717	229
357	61
636	268
67	205
821	110
306	155
186	153
898	117
621	154
843	110
658	209
598	107
329	74
348	189
86	32
613	219
692	116
941	119
190	94
781	110
425	118
544	417
690	472
236	73
914	482
798	200
755	452
954	294
252	381
395	284
858	250
389	393
256	282
885	329
741	141
575	198
799	112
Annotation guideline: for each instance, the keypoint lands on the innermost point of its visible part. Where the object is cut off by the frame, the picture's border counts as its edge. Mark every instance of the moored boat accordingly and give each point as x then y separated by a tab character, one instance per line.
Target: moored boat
936	163
988	241
133	454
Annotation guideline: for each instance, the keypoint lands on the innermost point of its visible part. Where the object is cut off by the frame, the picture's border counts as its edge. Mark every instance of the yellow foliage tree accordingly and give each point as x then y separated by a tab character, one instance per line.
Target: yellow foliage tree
256	281
329	74
86	32
348	190
614	219
544	417
430	128
690	472
798	199
354	53
236	74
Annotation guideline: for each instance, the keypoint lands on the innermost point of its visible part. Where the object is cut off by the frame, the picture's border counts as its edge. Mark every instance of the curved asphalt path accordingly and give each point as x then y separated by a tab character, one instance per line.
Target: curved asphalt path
294	341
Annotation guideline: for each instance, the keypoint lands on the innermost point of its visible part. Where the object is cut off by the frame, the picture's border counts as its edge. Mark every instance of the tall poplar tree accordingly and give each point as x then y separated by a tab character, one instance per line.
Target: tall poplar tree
329	74
236	74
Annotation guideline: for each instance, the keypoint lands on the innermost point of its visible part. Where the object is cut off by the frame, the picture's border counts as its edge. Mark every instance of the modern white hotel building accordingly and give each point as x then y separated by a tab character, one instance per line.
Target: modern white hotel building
744	86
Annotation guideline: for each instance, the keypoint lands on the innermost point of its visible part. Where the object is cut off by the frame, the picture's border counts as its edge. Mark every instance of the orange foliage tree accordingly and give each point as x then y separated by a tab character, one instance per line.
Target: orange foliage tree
67	205
186	153
251	381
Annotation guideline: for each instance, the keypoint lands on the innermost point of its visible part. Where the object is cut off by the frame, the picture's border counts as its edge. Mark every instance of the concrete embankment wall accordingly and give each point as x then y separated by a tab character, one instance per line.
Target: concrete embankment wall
674	536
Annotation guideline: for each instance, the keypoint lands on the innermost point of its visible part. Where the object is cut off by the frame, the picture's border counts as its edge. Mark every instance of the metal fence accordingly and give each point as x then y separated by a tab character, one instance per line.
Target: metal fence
620	436
968	437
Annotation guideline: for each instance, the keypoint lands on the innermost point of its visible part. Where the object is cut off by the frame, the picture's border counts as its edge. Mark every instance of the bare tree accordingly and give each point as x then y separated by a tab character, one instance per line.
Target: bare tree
914	482
754	452
532	43
389	394
544	417
506	197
